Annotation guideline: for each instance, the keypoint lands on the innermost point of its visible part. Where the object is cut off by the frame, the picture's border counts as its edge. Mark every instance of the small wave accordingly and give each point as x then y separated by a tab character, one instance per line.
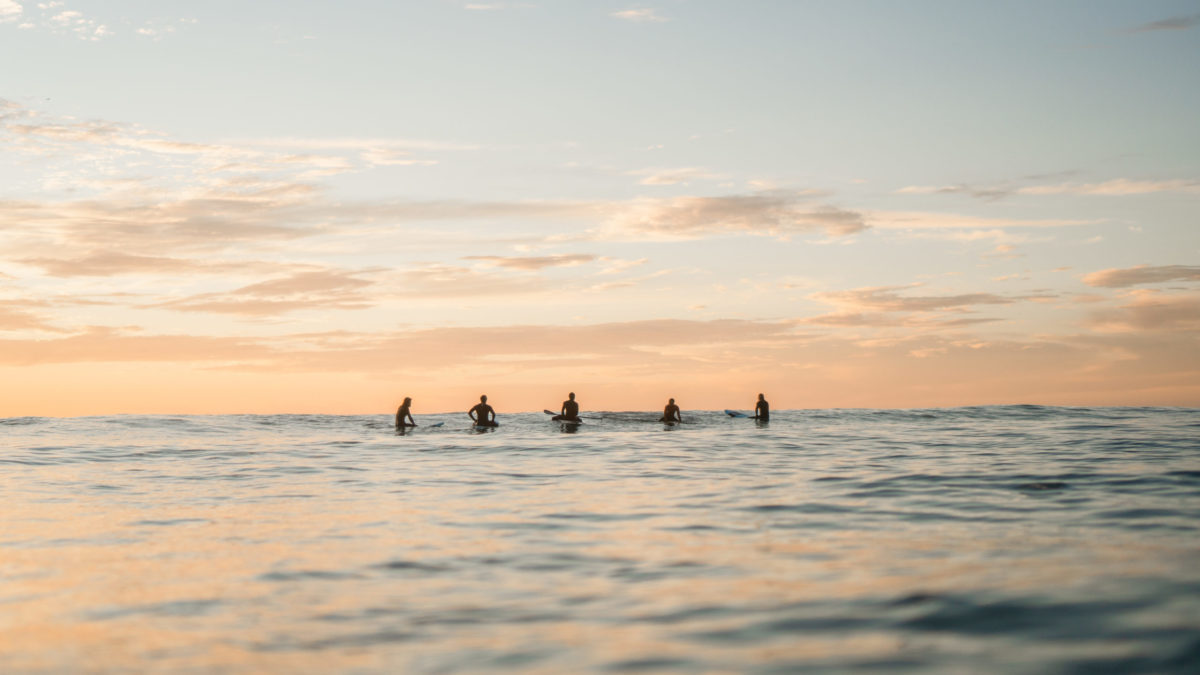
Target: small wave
21	421
1041	486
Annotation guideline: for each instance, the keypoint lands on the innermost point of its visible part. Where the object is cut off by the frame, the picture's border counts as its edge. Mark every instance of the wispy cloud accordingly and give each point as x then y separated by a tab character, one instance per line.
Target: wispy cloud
675	176
438	281
889	299
640	15
1113	187
1142	274
111	145
24	315
1151	311
105	263
923	220
311	290
1174	23
772	213
535	262
496	6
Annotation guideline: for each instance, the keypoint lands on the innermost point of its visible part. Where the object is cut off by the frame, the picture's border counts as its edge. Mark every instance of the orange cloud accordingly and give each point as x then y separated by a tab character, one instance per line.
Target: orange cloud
773	213
1152	311
535	262
15	316
113	263
1142	274
324	289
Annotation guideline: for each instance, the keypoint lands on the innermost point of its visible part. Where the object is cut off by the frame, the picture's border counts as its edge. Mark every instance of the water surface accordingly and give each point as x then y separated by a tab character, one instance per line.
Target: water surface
993	539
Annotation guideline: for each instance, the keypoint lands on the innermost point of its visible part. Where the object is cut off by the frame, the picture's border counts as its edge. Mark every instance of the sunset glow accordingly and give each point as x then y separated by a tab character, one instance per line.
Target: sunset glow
257	207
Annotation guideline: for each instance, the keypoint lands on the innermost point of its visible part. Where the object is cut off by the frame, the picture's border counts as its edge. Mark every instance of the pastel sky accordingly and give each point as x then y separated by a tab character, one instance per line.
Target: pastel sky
326	206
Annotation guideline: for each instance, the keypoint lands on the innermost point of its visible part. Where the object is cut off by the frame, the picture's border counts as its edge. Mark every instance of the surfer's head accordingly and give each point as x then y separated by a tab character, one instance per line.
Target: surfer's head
571	396
407	400
671	401
483	398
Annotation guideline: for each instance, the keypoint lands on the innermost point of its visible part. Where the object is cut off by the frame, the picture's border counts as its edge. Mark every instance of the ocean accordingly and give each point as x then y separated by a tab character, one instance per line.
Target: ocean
1007	539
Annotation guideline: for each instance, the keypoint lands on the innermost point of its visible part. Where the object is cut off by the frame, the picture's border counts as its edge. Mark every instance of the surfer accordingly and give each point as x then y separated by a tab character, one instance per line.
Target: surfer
762	409
671	413
402	413
570	410
482	414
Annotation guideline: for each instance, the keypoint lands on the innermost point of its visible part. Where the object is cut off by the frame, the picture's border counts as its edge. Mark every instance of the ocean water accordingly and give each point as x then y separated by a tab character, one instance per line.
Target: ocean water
991	539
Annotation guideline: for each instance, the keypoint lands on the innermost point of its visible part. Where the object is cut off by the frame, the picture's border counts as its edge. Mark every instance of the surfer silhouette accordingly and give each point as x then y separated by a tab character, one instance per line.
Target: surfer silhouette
671	413
570	410
762	409
482	414
402	413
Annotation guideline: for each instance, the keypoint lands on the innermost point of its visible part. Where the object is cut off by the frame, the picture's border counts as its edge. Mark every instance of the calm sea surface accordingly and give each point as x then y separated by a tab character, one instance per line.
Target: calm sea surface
995	539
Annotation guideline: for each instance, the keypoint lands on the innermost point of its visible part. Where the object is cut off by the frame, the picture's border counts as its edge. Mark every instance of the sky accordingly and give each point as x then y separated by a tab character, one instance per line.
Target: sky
324	207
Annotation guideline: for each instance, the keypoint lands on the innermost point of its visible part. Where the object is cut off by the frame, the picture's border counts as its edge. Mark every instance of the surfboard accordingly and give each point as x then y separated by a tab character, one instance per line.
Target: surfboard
435	425
734	413
557	417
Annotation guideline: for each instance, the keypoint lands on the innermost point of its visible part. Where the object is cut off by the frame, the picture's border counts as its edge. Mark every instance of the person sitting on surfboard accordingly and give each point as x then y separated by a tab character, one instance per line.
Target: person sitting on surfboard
762	409
482	414
570	410
403	413
671	413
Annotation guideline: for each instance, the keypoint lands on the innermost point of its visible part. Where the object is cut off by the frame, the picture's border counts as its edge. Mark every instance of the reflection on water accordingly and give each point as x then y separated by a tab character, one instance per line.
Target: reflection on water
987	539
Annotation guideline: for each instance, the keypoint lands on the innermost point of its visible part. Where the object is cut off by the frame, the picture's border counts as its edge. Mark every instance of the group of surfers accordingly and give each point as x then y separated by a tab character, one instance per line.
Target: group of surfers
482	414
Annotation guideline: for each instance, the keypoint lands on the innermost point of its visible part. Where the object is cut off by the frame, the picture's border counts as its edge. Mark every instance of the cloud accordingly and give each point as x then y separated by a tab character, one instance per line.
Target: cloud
674	176
495	6
880	307
319	290
113	263
1151	311
440	281
1115	187
388	157
360	144
15	315
10	10
1174	23
113	145
773	213
535	262
1109	188
101	344
640	15
1142	274
917	220
209	220
888	299
75	22
987	193
881	320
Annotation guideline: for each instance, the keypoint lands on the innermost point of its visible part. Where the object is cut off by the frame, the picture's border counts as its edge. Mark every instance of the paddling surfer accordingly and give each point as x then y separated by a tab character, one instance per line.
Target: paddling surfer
402	413
671	413
570	410
762	409
482	414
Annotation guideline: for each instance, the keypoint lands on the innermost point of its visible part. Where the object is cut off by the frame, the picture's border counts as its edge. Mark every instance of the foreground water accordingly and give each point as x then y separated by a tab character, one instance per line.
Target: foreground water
997	539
